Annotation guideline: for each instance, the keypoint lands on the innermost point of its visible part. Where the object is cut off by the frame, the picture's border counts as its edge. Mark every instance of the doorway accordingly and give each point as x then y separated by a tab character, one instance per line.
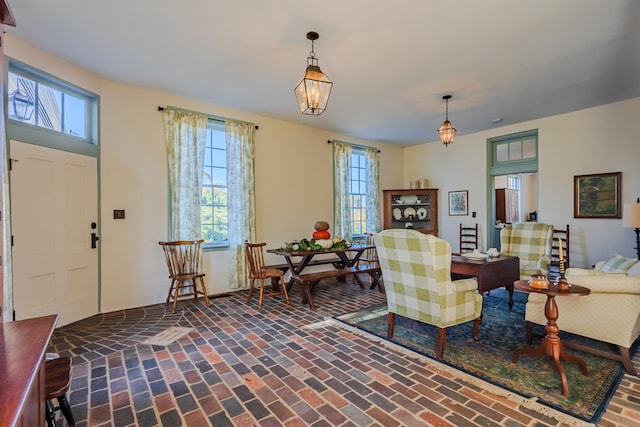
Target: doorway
512	181
54	212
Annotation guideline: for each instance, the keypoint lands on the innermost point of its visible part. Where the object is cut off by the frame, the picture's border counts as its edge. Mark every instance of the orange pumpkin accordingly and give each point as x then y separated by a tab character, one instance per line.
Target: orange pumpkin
321	235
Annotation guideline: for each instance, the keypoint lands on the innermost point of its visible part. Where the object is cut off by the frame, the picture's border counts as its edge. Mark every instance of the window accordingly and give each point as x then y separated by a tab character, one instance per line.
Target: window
358	193
214	219
48	103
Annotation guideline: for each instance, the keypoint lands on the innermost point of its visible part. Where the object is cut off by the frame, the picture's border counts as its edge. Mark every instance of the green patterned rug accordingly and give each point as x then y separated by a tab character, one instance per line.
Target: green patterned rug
501	333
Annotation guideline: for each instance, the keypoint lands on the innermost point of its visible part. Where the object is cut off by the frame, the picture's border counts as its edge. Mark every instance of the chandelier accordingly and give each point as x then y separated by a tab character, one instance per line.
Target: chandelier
446	131
314	88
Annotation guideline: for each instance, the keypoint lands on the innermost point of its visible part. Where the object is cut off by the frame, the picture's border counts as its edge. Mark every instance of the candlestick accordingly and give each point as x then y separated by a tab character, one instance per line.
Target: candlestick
560	257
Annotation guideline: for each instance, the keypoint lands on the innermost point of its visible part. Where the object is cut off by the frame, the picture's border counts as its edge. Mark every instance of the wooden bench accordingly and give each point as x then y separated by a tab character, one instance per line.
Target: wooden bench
308	281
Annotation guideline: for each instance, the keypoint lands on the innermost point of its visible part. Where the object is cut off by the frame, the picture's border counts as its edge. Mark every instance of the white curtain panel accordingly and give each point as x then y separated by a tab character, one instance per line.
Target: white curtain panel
240	196
342	213
185	137
372	156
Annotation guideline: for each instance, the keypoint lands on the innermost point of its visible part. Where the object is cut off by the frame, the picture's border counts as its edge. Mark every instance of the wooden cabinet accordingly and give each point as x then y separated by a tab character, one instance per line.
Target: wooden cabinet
415	209
23	344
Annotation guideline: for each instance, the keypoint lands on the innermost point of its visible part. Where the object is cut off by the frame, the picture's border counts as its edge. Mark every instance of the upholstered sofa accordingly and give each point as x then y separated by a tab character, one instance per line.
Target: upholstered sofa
610	313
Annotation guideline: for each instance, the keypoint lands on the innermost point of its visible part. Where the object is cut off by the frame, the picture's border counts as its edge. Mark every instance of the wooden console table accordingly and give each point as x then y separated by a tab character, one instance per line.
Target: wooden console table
551	344
23	345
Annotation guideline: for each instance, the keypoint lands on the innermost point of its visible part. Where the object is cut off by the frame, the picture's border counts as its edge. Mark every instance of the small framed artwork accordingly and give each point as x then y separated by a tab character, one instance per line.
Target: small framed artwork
597	195
458	203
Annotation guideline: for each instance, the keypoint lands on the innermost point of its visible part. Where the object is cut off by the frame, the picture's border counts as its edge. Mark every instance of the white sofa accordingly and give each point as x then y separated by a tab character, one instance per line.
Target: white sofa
610	313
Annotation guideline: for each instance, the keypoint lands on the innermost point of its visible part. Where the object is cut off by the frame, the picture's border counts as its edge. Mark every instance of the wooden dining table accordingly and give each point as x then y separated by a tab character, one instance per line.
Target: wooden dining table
344	261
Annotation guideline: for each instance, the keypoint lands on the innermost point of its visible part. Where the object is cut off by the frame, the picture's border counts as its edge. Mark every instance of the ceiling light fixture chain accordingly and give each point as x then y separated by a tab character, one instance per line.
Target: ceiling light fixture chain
446	131
313	90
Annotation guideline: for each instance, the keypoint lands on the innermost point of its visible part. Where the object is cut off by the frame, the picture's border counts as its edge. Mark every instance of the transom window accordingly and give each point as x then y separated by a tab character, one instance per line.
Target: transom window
48	103
214	219
358	192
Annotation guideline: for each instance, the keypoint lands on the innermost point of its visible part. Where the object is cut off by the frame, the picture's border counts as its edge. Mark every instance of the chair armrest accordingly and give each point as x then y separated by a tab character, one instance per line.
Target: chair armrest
463	285
604	283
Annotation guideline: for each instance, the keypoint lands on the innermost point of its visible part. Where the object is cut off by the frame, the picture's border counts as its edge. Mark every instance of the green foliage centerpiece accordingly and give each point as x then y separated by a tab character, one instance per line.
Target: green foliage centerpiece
321	240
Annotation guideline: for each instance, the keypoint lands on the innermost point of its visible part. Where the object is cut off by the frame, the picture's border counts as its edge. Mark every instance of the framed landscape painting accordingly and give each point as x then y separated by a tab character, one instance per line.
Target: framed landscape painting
597	195
458	204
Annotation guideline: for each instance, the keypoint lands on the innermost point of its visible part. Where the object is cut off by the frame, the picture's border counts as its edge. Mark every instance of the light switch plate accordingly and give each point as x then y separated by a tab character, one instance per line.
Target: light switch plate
118	214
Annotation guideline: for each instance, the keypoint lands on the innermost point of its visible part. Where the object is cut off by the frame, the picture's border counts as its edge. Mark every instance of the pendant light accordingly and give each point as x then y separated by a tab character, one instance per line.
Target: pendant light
314	88
446	131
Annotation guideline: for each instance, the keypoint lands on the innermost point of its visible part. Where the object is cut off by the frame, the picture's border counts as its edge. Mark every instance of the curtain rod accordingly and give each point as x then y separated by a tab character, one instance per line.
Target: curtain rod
353	145
212	117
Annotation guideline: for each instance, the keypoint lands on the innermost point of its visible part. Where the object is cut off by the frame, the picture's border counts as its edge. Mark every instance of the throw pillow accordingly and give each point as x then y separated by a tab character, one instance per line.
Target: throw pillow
618	264
635	270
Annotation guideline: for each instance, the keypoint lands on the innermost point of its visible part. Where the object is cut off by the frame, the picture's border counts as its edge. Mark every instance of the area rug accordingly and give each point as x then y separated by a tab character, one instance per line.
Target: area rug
501	333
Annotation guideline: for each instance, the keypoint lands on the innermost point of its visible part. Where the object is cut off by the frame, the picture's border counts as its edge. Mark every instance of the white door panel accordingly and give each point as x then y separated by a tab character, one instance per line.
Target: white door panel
53	204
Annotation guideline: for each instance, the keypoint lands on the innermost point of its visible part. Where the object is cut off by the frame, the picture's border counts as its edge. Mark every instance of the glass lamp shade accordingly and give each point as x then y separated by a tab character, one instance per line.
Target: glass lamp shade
313	91
631	215
20	106
447	132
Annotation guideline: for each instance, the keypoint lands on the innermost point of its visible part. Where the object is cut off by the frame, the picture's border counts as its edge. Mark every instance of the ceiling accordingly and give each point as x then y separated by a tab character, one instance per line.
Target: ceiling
391	62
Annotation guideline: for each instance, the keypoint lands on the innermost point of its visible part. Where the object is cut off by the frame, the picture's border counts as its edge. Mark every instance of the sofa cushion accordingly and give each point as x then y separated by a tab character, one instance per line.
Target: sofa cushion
618	264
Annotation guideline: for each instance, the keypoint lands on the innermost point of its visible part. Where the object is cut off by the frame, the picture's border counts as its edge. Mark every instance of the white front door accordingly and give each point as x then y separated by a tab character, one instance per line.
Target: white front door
54	211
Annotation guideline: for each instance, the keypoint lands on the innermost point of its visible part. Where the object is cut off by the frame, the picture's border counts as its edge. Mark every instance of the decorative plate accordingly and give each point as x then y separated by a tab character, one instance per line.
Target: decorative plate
422	213
397	213
475	255
407	200
410	213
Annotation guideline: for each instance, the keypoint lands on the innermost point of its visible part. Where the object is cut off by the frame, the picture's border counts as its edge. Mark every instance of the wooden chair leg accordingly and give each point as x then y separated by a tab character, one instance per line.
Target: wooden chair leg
283	289
626	361
391	324
173	283
205	294
49	414
476	327
442	337
65	408
176	292
261	294
251	285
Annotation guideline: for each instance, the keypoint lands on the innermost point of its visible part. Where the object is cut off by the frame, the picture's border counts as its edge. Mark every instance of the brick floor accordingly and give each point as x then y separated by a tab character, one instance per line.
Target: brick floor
279	366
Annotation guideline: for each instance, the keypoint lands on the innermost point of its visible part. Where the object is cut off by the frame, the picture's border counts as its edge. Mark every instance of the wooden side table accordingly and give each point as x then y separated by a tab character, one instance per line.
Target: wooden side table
551	344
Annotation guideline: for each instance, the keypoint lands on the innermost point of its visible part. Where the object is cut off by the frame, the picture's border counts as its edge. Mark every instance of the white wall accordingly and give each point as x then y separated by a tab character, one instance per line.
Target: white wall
597	140
294	184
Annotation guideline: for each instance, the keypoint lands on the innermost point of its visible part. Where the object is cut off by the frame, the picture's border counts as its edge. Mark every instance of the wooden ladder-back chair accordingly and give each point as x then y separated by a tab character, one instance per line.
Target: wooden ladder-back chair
183	261
370	256
258	273
563	235
57	379
468	238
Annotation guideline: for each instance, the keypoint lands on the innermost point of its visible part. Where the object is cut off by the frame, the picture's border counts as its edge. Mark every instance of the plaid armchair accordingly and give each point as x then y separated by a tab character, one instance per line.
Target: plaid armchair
416	270
531	242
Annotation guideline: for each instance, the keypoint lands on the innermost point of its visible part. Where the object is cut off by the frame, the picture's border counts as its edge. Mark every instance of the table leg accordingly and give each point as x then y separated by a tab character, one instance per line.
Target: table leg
307	297
510	290
552	346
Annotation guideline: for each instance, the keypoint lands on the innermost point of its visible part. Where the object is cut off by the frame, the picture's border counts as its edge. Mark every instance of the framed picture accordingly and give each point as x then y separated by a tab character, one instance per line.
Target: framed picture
458	204
597	195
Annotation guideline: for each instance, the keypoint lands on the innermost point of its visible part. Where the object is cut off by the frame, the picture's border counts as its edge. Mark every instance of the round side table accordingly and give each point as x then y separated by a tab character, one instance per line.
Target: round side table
551	344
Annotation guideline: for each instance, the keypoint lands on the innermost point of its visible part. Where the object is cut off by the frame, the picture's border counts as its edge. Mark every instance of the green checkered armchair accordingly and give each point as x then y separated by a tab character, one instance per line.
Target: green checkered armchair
531	242
416	270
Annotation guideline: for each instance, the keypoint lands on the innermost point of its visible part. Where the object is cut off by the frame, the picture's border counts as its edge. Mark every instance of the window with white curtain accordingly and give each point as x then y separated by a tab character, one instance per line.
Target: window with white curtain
358	192
214	220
